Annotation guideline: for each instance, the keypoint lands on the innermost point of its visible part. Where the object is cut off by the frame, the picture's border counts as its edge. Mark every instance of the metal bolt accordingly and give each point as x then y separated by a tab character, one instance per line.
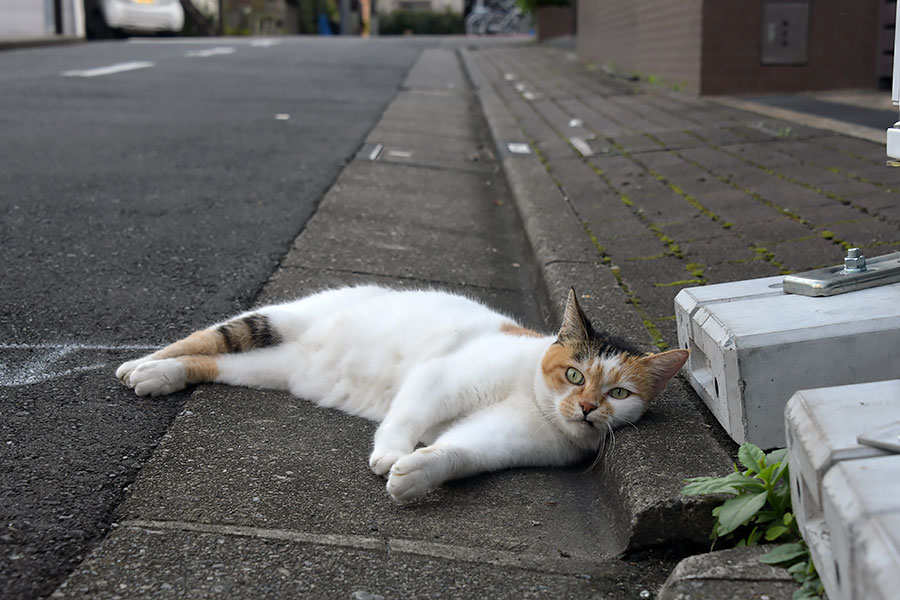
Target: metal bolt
854	262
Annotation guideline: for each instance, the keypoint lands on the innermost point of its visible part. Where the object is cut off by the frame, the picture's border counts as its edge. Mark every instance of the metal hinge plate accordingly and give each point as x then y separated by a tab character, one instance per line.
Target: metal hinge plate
884	438
830	281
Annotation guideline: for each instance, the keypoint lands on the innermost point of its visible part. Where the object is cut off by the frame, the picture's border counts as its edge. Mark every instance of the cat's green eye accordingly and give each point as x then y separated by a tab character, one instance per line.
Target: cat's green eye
574	376
619	393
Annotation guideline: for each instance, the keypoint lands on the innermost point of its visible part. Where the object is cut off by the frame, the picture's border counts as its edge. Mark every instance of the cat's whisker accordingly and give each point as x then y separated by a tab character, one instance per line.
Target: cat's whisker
624	421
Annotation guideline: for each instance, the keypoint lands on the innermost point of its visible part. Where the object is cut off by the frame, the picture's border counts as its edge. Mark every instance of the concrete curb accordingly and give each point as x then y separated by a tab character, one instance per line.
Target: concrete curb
38	42
734	573
879	136
641	480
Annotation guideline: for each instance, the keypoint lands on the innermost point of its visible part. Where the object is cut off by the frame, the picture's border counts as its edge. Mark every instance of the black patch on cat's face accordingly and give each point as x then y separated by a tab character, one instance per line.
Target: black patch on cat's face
580	336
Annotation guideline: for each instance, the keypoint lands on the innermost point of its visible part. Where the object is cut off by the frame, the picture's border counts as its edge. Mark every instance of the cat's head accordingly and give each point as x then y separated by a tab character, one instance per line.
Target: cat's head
596	381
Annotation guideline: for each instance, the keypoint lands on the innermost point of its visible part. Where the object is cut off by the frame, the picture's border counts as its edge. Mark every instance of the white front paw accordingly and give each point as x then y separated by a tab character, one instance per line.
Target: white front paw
382	459
413	476
158	377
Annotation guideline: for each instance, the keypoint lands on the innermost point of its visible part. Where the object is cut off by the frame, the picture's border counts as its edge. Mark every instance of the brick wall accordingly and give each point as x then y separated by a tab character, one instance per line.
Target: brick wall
842	49
652	37
713	46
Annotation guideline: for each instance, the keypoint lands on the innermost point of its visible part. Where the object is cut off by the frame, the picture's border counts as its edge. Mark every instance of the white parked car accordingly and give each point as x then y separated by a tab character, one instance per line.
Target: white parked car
142	16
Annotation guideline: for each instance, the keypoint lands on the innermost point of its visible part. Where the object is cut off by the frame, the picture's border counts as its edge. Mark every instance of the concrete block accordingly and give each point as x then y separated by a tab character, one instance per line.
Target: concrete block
861	500
822	426
752	346
880	555
841	489
734	573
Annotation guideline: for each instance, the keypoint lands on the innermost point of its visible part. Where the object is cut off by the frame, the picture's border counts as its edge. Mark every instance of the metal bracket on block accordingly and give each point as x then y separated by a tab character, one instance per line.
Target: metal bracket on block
884	438
857	273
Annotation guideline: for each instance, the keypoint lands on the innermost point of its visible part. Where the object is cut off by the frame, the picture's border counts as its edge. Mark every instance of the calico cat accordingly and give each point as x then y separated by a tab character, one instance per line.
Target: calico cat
476	389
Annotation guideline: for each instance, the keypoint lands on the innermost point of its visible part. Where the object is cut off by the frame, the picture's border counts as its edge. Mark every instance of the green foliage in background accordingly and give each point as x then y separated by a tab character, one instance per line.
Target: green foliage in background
760	510
420	22
529	6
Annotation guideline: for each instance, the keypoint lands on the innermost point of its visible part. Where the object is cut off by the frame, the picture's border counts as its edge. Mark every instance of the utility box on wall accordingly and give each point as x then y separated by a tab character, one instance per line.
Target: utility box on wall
785	34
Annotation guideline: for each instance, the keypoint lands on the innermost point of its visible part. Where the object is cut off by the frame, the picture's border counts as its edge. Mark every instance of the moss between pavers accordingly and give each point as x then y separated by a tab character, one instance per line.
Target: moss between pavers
796	181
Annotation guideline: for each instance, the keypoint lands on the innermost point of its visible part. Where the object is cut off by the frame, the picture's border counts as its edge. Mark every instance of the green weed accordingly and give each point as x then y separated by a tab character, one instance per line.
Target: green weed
760	510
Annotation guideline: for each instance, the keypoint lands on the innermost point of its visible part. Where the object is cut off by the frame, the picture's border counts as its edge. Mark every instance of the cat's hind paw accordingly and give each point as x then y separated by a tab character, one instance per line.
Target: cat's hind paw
412	476
123	373
157	377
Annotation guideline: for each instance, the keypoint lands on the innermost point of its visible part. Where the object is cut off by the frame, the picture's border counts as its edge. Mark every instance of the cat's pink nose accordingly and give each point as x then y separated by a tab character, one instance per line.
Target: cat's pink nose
586	407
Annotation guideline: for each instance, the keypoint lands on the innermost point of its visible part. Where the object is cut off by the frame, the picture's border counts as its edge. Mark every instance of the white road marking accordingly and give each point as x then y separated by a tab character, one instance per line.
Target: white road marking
399	153
43	365
264	43
582	146
109	70
210	51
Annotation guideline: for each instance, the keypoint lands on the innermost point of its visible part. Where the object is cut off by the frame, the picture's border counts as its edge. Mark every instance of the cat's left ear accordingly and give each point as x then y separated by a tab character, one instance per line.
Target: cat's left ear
575	325
663	367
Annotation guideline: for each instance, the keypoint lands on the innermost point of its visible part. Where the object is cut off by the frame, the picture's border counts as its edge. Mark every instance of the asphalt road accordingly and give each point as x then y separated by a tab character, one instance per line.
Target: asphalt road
137	203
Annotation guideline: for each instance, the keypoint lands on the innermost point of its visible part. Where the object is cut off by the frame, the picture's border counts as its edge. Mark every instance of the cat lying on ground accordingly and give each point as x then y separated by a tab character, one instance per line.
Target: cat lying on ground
480	392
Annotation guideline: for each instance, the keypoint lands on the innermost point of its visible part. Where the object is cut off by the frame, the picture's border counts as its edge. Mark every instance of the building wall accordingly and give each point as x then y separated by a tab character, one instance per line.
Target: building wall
713	46
652	37
25	18
842	50
37	19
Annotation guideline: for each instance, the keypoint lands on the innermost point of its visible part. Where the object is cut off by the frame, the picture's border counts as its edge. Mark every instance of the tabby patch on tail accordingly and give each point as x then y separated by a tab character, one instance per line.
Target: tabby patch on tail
458	389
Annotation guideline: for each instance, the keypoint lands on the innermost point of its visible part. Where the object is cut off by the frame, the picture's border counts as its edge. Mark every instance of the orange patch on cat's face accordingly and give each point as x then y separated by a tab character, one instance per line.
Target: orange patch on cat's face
553	366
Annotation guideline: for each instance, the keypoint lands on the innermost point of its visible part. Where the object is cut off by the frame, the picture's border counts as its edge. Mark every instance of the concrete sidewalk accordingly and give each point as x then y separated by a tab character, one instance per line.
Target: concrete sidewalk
632	192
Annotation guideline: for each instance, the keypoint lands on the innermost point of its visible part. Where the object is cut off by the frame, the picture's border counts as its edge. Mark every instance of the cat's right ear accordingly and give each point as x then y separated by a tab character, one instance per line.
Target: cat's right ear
574	324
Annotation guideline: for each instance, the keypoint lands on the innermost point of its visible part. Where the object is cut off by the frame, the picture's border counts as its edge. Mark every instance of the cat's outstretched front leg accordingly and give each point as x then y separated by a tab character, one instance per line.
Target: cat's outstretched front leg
421	404
497	437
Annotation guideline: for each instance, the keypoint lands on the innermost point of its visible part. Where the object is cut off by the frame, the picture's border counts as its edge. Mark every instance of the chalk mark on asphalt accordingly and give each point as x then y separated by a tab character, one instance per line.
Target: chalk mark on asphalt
47	361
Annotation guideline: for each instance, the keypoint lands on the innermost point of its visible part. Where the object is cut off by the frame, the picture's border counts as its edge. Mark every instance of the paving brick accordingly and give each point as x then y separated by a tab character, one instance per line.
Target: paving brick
707	243
738	271
865	231
637	143
632	247
809	253
593	120
836	212
767	156
849	188
880	249
863	151
891	212
878	173
656	282
614	112
768	231
655	118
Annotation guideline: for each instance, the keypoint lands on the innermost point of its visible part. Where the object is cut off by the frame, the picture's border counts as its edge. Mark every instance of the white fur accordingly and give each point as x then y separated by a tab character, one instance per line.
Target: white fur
432	367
